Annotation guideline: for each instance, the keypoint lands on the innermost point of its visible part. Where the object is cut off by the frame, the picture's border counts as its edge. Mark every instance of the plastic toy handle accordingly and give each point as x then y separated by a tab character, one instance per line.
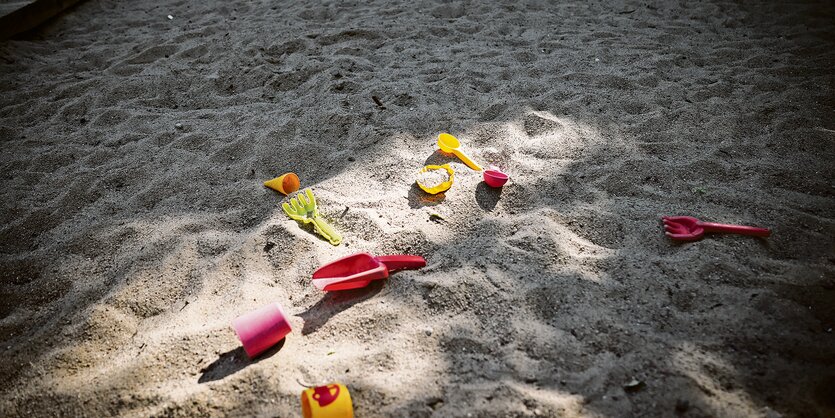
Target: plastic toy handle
467	160
401	262
327	231
735	229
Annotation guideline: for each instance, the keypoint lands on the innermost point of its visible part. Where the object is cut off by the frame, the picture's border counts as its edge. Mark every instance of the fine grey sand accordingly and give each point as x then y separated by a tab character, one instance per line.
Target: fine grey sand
136	226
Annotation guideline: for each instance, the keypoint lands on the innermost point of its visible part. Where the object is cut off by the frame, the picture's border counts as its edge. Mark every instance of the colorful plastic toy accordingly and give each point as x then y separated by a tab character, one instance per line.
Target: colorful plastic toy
450	144
495	178
329	401
305	210
687	228
286	183
442	187
261	329
359	270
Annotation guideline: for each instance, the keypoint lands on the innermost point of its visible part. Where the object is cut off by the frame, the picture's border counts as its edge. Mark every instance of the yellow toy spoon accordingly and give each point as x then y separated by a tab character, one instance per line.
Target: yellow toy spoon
450	144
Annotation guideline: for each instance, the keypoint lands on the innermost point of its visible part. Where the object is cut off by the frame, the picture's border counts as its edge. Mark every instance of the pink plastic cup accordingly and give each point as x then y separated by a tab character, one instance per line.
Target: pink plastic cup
495	178
261	329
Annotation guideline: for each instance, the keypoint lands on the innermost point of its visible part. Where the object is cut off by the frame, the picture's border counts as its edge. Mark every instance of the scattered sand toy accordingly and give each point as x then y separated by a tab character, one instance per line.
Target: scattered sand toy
495	177
286	183
359	270
329	401
686	228
434	179
450	144
261	329
303	208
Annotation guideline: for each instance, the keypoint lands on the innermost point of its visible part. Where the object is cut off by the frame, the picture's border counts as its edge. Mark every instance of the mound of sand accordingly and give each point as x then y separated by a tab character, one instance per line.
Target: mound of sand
136	226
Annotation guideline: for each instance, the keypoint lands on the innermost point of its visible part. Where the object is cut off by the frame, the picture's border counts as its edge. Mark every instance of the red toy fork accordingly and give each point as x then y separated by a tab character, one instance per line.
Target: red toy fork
688	228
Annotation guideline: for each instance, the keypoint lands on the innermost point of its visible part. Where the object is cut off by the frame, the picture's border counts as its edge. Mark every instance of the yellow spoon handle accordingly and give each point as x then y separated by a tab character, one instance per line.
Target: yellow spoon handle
470	163
327	231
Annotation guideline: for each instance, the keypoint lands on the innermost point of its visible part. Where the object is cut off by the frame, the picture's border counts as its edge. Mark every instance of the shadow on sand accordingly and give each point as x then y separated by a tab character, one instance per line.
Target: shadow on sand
487	197
335	302
234	361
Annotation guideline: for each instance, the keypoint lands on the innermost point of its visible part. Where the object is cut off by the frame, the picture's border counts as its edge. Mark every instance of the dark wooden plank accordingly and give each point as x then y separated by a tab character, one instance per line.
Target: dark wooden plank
20	16
9	6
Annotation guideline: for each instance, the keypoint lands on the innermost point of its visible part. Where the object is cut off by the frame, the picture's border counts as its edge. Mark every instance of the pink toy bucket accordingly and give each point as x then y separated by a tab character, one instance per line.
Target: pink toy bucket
261	329
495	178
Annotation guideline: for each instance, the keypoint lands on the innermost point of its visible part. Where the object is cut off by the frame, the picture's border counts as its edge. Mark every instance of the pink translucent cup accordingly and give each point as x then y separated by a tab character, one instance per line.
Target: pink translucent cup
261	329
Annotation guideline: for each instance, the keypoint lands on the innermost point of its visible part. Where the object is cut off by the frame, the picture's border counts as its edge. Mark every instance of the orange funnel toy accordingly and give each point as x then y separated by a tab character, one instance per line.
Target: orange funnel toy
286	183
359	270
450	144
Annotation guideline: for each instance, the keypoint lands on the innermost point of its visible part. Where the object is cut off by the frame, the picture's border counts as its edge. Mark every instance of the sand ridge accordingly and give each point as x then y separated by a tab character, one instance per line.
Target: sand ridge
136	226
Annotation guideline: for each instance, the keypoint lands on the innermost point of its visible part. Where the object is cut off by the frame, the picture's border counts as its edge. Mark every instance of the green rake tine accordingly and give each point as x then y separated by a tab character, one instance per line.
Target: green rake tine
311	198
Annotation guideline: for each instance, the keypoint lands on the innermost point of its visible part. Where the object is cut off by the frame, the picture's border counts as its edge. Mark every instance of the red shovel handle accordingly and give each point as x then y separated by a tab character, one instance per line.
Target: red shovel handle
400	262
735	229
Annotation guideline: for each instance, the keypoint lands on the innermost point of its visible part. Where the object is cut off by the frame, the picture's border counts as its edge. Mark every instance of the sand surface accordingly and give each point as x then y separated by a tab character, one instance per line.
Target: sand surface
135	225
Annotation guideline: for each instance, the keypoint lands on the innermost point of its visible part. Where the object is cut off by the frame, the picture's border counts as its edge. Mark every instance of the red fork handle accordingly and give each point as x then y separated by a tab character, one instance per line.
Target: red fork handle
401	262
735	229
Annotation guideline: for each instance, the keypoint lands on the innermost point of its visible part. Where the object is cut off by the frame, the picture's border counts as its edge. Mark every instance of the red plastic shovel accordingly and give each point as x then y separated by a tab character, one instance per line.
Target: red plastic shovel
687	228
359	270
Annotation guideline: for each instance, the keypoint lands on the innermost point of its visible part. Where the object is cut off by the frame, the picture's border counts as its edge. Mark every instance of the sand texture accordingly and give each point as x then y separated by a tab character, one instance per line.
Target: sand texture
136	226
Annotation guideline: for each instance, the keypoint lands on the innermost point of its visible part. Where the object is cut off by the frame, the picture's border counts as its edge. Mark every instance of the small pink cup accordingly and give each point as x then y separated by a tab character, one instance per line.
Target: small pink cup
261	329
495	178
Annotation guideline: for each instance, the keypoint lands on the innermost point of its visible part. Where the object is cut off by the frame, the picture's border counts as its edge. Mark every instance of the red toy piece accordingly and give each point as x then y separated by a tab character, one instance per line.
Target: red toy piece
359	270
495	178
687	228
325	395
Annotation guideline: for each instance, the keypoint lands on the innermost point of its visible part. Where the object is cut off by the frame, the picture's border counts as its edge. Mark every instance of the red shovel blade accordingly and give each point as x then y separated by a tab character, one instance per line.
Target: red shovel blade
351	272
359	270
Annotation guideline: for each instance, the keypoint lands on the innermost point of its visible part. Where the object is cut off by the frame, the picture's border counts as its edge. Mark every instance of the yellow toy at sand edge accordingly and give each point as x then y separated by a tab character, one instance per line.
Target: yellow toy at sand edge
286	183
302	208
450	144
433	188
329	401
